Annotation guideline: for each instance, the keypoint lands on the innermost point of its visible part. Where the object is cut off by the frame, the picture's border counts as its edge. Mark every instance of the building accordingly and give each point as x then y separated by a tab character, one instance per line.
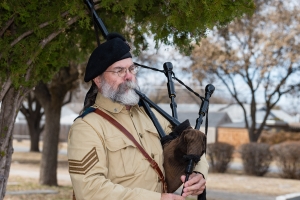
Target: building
190	112
225	121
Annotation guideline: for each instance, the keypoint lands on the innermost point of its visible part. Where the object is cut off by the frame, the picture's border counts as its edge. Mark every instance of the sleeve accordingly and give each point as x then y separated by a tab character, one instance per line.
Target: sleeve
88	167
202	166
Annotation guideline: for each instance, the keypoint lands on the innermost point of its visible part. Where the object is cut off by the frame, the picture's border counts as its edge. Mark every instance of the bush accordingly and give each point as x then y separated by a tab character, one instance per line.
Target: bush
287	156
256	158
272	137
220	155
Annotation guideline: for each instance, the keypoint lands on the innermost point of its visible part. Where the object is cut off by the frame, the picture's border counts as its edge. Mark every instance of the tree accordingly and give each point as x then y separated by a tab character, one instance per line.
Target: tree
32	40
260	52
52	97
33	113
37	38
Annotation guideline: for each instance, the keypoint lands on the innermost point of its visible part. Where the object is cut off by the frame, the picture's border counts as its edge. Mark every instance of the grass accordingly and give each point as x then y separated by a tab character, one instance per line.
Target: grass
23	184
17	183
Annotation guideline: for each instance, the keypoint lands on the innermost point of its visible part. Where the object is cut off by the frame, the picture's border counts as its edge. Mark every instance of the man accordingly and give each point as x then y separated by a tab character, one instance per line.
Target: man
103	162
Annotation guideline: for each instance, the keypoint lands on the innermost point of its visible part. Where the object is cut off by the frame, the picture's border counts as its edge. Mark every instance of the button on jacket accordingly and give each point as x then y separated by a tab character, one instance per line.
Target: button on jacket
105	164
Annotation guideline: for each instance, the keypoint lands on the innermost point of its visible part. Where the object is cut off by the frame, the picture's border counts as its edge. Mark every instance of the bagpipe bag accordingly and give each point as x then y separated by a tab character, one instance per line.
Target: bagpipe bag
182	144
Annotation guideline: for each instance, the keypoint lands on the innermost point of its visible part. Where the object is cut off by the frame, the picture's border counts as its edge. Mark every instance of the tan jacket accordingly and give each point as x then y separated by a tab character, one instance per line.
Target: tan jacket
105	164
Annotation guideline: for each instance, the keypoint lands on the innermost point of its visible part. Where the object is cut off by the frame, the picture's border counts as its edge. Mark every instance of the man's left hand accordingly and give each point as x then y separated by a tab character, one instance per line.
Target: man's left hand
194	186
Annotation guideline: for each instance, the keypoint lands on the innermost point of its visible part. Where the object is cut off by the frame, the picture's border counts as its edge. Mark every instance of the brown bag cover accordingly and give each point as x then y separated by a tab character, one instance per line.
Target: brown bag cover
189	142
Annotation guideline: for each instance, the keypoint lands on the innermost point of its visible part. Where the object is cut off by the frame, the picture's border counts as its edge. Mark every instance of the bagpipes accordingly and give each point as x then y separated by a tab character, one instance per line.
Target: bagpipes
184	146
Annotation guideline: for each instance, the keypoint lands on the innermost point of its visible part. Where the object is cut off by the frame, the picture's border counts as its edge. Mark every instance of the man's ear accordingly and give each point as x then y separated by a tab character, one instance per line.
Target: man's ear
97	81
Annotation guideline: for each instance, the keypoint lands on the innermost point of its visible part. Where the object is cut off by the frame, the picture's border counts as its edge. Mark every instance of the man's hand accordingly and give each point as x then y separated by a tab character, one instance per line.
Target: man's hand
194	186
169	196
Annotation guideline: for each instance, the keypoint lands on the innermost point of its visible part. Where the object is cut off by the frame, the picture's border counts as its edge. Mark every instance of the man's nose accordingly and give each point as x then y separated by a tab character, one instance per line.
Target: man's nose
128	75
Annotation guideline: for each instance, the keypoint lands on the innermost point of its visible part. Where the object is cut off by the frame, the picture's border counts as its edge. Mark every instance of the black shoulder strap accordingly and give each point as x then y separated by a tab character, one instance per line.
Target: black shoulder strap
85	112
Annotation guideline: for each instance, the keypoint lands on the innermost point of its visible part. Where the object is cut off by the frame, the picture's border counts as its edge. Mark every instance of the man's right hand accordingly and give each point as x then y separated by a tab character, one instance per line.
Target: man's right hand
170	196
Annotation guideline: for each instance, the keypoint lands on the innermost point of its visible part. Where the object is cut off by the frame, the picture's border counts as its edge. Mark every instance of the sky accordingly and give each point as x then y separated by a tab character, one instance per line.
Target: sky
149	79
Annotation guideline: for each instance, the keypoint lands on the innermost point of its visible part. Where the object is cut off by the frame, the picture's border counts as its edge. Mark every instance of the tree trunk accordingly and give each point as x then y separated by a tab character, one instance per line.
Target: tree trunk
33	114
51	96
48	175
35	133
10	104
251	135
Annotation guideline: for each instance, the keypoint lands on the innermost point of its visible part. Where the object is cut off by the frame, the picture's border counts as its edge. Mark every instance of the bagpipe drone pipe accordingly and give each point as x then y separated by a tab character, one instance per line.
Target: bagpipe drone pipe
184	146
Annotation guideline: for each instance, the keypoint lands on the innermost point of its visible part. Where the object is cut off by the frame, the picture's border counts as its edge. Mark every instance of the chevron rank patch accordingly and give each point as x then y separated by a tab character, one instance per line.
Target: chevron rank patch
84	165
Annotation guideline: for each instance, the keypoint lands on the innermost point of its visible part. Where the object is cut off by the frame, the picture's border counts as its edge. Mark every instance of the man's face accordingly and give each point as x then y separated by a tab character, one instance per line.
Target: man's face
119	88
113	78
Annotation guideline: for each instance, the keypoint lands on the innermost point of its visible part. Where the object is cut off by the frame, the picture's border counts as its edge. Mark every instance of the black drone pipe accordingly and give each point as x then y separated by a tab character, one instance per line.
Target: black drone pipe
209	89
97	19
168	67
171	119
152	116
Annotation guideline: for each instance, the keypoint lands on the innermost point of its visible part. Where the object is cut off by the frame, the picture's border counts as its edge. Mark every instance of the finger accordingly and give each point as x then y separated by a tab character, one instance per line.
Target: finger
182	178
199	186
185	194
191	189
201	190
194	178
193	174
194	192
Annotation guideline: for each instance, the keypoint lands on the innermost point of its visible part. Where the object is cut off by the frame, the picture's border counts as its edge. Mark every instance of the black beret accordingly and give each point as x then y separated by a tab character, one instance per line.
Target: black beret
106	54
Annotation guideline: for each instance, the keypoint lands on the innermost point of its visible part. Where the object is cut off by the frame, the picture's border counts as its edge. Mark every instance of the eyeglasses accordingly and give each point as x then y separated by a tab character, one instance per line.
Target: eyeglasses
121	71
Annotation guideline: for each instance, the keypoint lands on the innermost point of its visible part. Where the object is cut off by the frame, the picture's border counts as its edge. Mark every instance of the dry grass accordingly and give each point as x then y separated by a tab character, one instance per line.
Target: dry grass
29	164
34	158
27	184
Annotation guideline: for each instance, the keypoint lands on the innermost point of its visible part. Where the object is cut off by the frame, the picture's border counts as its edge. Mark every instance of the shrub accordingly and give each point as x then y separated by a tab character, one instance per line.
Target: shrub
256	158
287	157
272	137
220	155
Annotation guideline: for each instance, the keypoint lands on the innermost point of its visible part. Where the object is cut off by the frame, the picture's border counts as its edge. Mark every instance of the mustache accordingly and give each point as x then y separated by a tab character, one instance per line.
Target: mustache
128	85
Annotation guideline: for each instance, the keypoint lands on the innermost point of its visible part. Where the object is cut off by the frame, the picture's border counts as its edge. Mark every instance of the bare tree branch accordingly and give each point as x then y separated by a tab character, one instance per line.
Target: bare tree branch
29	32
17	101
234	95
283	80
264	60
7	24
44	43
18	39
5	86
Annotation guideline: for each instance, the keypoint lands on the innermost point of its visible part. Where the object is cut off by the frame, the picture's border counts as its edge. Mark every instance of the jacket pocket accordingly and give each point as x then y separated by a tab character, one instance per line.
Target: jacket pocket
155	141
124	159
156	150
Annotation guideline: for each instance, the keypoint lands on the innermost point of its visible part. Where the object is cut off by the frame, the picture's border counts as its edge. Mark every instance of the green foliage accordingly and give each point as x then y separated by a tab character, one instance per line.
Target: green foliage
27	56
22	48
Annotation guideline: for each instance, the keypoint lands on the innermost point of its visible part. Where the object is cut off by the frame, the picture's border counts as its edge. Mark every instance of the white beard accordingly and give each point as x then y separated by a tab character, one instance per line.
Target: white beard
124	94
